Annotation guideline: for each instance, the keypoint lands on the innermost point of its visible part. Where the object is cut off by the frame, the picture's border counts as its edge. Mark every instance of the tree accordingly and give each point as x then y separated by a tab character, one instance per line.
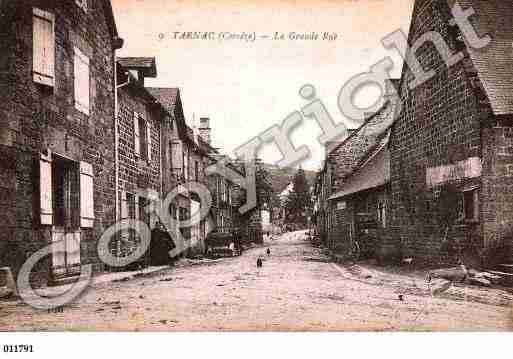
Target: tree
298	203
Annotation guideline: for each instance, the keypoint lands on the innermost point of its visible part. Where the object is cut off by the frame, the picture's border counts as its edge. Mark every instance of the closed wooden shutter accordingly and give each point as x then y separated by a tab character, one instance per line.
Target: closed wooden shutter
148	142
81	67
175	155
43	42
186	164
137	135
124	206
45	188
137	201
86	195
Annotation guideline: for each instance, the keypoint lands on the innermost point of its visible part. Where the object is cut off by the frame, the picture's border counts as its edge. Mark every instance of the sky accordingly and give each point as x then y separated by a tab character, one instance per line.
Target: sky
247	87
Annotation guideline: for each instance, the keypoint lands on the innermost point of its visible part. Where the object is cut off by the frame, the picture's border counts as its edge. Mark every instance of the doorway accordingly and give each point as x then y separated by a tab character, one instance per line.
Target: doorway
66	208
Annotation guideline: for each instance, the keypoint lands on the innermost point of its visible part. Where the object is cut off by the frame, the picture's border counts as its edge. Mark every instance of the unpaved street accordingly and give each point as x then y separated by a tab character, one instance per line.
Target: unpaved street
297	289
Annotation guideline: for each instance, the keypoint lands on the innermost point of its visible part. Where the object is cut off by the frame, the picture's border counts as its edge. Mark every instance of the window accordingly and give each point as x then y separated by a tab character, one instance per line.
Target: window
143	205
43	42
382	218
471	205
196	171
184	215
66	192
142	137
81	67
222	185
171	152
176	159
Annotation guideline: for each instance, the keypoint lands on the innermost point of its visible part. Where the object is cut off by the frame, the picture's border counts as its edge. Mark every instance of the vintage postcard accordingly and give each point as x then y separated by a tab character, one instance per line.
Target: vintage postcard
262	166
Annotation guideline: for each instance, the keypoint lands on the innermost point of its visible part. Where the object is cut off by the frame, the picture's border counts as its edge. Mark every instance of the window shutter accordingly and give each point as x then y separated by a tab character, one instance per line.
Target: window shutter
43	42
86	195
137	139
81	67
175	154
136	201
45	188
124	206
148	142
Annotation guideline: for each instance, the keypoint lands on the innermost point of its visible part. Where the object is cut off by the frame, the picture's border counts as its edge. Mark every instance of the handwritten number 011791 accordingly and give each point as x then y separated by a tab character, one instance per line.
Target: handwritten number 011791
19	348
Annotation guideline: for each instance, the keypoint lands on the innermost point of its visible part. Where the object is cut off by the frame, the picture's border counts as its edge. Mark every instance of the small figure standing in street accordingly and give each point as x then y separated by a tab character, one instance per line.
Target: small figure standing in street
268	252
259	262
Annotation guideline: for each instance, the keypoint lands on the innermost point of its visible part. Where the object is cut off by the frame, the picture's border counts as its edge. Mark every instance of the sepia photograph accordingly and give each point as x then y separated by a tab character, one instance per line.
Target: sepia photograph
284	167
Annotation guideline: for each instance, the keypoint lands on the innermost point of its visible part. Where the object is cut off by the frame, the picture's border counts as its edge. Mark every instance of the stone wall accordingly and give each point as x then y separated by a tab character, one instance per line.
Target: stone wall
440	125
134	171
35	118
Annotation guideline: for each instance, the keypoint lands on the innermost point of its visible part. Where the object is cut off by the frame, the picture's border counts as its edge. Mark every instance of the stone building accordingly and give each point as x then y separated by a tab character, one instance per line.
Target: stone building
224	212
451	147
177	146
345	173
359	209
56	133
140	120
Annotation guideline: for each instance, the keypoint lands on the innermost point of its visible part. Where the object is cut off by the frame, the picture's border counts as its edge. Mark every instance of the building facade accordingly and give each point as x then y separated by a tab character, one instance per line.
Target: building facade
338	219
178	147
140	120
57	133
450	147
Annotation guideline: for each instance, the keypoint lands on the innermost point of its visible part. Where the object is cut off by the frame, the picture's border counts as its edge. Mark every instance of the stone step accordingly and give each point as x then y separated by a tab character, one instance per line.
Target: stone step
506	279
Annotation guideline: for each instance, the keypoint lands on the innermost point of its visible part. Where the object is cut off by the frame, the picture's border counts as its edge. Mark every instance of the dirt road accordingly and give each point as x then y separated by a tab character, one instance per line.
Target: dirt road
296	289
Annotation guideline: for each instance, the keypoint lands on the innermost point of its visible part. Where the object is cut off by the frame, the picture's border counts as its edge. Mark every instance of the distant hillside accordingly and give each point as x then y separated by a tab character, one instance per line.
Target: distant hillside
281	177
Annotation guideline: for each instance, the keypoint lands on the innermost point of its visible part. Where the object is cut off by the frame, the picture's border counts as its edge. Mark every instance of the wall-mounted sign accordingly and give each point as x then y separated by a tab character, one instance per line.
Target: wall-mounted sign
470	168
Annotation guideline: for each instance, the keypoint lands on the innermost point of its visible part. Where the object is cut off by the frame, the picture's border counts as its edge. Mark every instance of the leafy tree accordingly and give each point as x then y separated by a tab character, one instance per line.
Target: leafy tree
298	203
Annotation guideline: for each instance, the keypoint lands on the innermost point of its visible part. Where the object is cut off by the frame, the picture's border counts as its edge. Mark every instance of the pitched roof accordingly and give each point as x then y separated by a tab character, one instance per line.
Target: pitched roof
349	155
494	63
146	64
167	96
375	172
374	121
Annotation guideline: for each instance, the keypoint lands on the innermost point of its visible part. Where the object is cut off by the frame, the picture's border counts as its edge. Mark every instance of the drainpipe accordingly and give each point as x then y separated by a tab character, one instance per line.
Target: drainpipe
116	130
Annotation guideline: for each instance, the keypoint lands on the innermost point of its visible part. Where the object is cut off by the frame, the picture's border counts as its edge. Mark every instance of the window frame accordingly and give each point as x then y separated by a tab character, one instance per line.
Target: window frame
474	192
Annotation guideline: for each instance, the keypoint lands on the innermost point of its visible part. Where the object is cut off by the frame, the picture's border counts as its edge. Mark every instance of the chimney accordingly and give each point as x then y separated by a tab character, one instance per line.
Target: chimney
204	129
